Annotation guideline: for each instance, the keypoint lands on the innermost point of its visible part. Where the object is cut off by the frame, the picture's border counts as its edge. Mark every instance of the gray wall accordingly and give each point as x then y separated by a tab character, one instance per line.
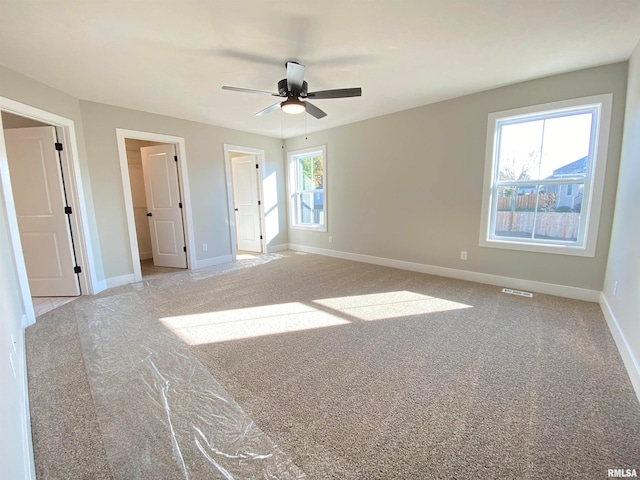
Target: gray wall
408	186
206	171
624	260
100	169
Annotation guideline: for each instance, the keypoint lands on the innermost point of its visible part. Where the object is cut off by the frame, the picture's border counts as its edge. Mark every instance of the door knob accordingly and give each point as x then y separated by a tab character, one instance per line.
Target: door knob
149	214
236	209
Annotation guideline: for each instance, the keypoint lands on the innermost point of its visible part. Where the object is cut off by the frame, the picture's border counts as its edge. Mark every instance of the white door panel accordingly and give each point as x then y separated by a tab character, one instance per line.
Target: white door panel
163	203
38	194
245	198
46	244
166	237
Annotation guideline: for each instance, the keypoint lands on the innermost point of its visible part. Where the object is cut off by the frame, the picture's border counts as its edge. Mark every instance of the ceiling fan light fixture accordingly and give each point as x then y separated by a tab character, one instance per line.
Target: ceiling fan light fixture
293	106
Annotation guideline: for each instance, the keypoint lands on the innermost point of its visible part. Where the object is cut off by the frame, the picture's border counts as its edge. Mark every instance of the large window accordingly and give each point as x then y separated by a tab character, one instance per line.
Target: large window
307	188
544	176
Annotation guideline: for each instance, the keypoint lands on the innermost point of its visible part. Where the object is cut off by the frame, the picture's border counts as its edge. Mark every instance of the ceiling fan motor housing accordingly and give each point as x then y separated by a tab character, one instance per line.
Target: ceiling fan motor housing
282	89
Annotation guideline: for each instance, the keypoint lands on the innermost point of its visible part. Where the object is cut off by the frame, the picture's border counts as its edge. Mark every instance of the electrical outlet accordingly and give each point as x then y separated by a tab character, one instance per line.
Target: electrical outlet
330	239
463	255
205	247
615	288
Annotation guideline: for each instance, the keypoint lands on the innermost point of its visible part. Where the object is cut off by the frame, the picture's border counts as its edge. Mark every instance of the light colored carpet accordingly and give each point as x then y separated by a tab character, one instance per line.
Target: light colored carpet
358	371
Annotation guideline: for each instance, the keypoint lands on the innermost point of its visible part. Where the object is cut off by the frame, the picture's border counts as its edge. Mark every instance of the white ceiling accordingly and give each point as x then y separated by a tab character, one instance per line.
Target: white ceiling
172	57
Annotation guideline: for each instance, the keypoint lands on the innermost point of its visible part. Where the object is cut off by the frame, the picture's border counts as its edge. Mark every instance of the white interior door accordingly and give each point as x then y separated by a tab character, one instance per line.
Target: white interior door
245	199
160	171
37	184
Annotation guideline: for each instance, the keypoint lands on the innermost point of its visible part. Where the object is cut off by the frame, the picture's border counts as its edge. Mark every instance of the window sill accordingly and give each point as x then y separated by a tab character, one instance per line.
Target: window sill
573	250
309	228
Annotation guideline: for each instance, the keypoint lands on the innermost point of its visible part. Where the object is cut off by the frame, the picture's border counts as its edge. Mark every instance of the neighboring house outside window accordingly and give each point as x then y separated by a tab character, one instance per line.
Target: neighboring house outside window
569	196
544	175
307	188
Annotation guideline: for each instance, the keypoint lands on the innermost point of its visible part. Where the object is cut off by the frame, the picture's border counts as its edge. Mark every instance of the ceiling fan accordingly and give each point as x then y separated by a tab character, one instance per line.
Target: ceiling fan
294	89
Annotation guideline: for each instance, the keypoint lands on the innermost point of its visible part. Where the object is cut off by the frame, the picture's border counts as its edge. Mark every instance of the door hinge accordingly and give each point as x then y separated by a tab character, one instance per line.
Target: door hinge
67	211
180	204
77	269
257	166
185	249
259	202
260	237
58	146
175	157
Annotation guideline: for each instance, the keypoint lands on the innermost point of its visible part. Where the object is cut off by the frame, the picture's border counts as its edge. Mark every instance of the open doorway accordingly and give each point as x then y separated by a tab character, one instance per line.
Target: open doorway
157	201
43	194
244	167
157	204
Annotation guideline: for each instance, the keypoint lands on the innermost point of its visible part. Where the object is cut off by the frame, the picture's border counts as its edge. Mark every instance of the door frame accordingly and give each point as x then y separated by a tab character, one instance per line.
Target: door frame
183	182
65	129
260	156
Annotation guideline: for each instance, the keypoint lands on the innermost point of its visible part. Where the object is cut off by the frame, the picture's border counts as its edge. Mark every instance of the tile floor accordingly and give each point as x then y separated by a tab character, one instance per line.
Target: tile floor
43	305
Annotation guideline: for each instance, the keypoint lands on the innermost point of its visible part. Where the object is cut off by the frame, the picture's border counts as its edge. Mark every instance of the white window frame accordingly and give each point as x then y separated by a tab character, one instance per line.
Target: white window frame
593	181
292	157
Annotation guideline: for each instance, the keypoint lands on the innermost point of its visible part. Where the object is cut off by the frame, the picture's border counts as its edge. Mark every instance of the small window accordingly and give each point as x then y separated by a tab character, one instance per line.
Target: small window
307	188
544	175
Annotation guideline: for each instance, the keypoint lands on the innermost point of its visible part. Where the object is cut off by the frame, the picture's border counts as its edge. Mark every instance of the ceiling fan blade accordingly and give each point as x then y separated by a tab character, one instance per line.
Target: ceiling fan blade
337	93
248	90
314	111
295	77
273	107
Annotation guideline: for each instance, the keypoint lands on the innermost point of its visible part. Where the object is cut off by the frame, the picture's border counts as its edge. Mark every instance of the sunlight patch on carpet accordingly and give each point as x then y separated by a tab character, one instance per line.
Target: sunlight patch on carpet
222	326
387	305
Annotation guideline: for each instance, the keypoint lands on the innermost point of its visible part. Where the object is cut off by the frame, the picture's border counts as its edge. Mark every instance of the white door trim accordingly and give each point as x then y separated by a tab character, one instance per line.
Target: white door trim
183	179
259	153
80	222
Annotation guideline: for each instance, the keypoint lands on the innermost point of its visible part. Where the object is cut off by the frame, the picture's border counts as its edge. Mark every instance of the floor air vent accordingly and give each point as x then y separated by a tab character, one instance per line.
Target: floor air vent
519	293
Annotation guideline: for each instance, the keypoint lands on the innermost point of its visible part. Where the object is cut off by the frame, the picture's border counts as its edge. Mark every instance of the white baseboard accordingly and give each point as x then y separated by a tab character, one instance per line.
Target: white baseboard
25	322
119	281
210	262
630	361
517	283
277	248
125	279
145	255
99	286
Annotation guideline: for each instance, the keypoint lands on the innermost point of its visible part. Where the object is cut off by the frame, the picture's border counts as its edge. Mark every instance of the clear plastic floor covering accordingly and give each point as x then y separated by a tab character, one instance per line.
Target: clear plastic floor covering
161	413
